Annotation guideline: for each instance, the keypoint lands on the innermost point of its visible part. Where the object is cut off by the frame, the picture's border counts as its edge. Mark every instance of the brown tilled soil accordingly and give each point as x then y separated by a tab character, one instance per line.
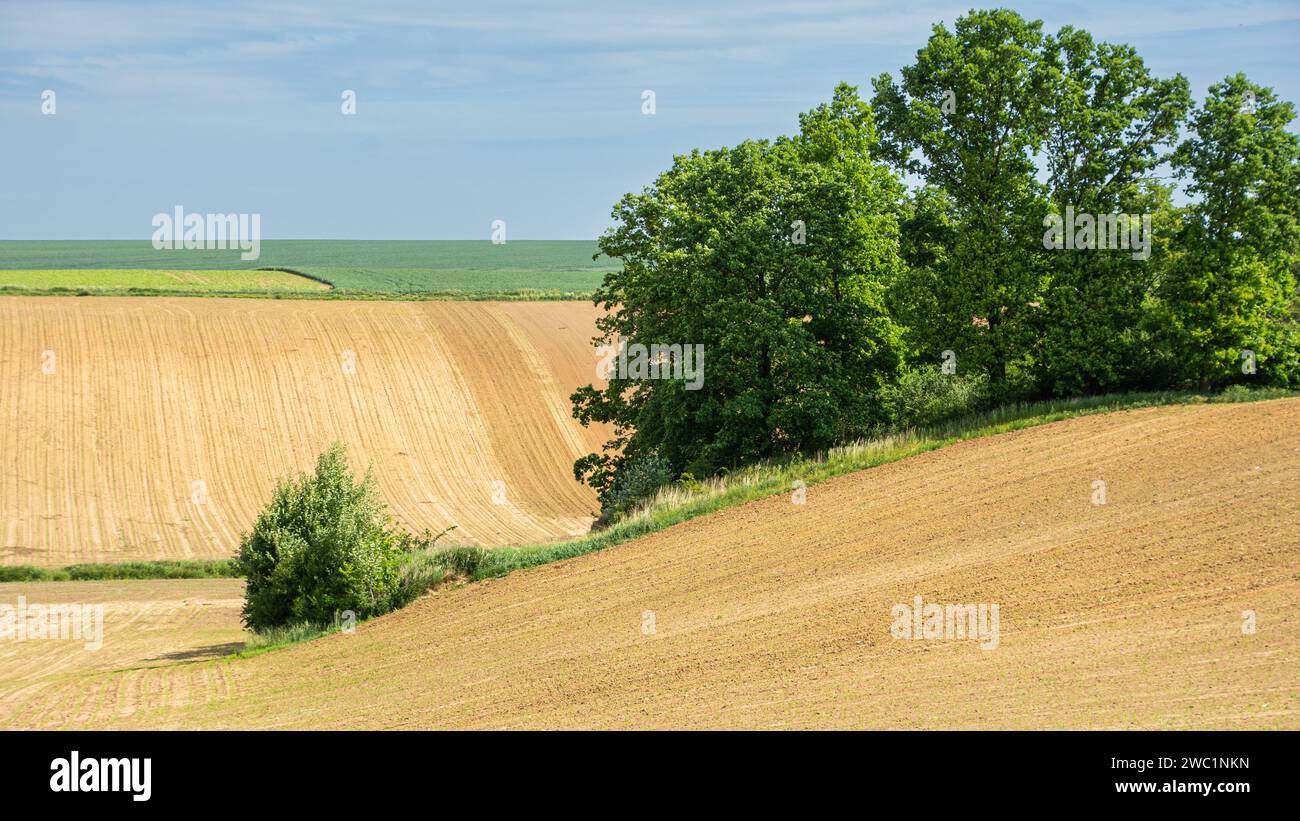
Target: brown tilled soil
155	428
1127	614
147	625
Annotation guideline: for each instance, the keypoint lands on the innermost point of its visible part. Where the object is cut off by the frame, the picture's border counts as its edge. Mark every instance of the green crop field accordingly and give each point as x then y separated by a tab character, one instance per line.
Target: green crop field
93	280
474	268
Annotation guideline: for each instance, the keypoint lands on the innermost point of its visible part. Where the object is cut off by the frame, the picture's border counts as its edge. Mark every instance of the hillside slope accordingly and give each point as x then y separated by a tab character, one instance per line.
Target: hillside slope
772	614
151	428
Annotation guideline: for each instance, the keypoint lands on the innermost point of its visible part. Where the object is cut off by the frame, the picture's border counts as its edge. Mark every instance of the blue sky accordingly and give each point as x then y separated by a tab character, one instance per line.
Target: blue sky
468	112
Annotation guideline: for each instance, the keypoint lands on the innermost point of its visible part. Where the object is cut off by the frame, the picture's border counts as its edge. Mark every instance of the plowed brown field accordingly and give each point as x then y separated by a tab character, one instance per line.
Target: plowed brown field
151	629
152	428
1127	614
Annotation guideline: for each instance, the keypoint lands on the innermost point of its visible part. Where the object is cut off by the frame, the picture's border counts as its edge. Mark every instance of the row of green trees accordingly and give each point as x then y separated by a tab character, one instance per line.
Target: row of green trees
823	288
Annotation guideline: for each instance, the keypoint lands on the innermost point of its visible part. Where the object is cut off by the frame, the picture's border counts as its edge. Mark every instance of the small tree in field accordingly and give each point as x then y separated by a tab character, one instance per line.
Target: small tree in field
323	545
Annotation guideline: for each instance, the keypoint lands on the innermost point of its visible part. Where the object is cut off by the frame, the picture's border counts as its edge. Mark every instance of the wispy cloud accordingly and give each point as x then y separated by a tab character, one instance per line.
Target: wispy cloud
463	103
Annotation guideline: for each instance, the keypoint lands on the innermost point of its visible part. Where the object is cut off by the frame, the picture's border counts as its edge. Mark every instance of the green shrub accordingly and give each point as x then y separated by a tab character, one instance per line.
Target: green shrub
1236	393
635	482
688	483
323	545
926	396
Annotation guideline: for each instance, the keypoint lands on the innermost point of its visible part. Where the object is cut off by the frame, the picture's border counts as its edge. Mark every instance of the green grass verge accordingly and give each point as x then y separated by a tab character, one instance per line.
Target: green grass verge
187	569
274	639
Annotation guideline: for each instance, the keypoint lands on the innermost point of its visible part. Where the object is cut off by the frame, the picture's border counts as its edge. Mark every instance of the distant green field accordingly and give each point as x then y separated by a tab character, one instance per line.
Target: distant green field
113	279
524	268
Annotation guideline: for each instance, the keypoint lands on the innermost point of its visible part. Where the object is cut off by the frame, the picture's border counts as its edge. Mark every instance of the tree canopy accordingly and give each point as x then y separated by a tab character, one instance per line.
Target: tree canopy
1042	251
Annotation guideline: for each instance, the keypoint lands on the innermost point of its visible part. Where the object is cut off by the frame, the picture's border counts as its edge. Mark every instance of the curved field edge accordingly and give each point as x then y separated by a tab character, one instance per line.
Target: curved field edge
452	294
303	274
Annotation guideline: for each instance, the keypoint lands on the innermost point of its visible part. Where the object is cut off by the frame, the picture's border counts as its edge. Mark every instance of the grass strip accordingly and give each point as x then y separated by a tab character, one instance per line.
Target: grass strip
100	571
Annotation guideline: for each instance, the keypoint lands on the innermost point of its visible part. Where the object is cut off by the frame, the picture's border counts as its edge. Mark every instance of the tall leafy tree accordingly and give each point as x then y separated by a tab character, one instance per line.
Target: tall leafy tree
1110	124
968	118
777	258
1232	288
928	231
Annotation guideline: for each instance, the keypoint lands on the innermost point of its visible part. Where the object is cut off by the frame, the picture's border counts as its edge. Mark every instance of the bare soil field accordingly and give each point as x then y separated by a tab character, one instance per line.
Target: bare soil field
1173	605
147	625
155	428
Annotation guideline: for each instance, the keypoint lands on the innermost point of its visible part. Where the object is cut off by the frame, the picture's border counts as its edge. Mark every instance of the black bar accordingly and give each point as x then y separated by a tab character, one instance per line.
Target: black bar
304	769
